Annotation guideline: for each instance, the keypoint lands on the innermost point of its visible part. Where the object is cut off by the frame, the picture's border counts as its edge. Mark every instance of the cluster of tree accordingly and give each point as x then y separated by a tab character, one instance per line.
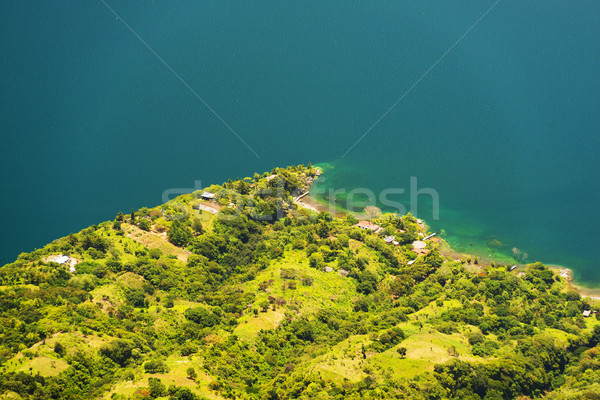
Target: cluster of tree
144	289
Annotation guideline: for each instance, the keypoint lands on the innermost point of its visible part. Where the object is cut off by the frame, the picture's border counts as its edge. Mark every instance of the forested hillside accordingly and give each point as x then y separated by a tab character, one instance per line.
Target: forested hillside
248	295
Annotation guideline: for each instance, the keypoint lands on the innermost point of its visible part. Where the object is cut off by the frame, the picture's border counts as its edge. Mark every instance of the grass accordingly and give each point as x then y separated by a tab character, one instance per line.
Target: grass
24	287
114	293
153	240
561	336
344	360
424	350
131	280
177	375
251	325
45	366
41	358
433	310
328	290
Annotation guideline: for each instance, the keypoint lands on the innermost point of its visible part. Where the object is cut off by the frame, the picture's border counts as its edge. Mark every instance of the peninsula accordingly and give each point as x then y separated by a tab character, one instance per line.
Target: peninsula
246	290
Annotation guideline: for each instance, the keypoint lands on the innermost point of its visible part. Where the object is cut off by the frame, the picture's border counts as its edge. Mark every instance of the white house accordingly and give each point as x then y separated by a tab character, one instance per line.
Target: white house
207	196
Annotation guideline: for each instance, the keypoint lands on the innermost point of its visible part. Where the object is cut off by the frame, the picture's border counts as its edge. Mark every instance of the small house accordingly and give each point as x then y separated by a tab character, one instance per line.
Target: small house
389	239
587	313
369	225
207	196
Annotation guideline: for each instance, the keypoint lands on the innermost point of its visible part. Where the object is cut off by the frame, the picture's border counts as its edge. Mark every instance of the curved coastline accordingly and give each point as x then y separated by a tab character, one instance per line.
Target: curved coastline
319	205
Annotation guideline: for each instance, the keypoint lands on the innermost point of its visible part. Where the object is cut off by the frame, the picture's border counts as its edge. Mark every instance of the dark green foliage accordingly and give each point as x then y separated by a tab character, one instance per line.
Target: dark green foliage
183	394
367	282
242	266
191	373
155	367
201	316
179	234
157	388
303	330
118	351
475	338
137	297
144	224
595	338
402	351
197	226
59	349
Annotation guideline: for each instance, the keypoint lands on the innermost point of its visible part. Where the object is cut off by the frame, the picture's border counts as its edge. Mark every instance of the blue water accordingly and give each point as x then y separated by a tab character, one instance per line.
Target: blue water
505	127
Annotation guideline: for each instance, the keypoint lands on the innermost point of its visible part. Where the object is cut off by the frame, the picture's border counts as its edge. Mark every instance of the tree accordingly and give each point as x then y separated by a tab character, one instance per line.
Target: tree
367	282
191	373
155	367
402	352
201	316
197	226
119	217
184	394
118	350
144	224
59	349
372	212
315	260
179	234
595	339
136	297
132	215
157	388
475	338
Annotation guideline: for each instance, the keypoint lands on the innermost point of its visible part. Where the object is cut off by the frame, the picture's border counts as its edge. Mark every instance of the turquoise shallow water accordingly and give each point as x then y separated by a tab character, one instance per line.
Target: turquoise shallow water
504	128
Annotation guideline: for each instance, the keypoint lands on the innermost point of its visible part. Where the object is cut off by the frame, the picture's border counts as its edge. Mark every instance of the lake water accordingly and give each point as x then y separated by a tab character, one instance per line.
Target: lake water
505	128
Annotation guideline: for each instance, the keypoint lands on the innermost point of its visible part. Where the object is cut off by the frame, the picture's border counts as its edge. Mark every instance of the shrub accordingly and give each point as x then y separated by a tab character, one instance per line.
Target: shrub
144	224
59	349
306	280
202	316
475	338
118	350
155	367
401	351
315	260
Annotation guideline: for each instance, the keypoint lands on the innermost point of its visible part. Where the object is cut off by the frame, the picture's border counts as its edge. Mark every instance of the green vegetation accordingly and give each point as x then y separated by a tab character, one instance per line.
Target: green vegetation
267	300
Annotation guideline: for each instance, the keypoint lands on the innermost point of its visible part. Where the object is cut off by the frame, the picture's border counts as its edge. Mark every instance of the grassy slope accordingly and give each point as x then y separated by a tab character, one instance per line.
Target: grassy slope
425	345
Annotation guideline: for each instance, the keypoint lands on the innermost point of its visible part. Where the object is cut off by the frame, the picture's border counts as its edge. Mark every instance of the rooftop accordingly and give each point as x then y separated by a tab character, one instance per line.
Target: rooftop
368	225
418	244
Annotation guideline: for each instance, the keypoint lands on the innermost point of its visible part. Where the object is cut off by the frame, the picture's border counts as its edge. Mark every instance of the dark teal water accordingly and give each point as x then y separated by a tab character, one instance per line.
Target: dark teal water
505	128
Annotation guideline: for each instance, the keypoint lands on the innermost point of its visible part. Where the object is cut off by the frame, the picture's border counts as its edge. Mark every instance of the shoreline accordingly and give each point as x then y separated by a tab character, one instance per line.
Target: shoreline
446	249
